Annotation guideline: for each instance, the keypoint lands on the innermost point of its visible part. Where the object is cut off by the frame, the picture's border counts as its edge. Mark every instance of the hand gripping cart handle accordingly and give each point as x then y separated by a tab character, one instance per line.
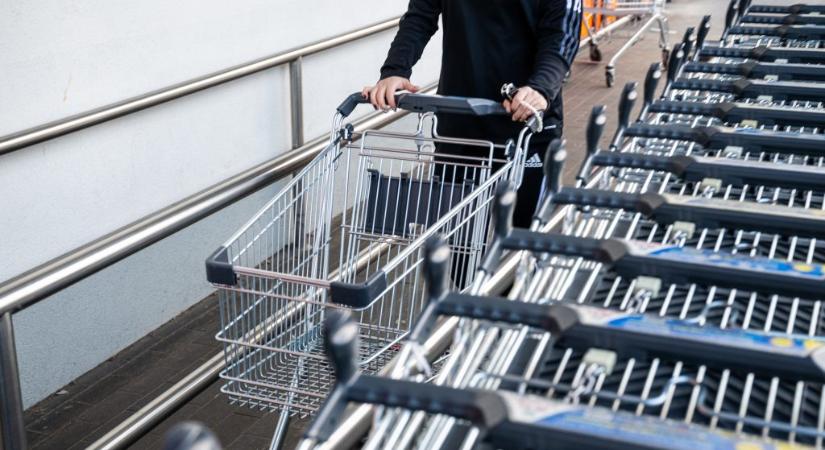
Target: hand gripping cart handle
755	89
347	232
719	138
506	420
420	103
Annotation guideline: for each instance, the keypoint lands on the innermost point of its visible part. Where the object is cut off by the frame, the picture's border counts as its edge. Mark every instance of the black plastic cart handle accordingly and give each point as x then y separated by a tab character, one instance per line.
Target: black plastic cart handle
718	137
431	103
765	53
754	69
529	422
744	88
671	263
799	8
704	212
781	31
736	172
506	420
787	19
737	112
571	325
674	264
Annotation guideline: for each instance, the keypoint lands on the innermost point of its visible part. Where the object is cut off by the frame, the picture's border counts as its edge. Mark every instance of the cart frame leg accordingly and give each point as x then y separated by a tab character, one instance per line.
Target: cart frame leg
280	430
659	18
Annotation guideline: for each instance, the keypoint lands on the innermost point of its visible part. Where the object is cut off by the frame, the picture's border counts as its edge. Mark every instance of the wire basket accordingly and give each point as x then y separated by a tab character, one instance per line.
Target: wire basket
373	205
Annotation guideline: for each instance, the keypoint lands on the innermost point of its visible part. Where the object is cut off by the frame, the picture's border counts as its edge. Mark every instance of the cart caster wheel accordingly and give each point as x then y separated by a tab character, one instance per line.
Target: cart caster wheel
665	58
595	53
610	77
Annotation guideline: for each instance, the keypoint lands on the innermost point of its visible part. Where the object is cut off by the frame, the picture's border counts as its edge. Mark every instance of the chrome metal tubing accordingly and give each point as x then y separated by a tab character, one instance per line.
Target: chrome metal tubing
39	283
62	127
63	271
161	407
168	402
358	422
12	428
607	30
296	101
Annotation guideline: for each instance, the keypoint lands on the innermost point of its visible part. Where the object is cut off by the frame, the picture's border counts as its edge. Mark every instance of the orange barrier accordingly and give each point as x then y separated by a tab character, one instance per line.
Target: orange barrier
596	21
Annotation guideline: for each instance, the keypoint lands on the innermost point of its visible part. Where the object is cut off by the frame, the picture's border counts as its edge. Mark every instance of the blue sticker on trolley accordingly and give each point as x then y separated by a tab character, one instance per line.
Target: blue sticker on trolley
764	265
630	429
739	337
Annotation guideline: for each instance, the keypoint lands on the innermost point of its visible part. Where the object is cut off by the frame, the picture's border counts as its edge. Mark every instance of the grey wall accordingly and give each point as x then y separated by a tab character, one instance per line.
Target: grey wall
62	57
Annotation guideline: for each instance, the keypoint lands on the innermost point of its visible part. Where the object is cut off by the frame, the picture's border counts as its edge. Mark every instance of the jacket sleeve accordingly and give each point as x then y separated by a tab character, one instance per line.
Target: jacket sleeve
558	30
417	26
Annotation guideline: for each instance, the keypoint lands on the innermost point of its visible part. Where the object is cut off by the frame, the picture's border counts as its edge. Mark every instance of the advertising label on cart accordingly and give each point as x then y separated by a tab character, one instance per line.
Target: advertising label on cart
763	265
735	337
625	428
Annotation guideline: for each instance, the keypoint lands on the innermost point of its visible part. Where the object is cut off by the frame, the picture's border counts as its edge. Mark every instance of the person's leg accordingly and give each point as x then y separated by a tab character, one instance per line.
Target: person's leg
529	193
532	184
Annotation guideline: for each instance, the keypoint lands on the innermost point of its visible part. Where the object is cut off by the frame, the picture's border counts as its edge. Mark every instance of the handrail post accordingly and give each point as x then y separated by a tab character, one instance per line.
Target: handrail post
12	427
296	101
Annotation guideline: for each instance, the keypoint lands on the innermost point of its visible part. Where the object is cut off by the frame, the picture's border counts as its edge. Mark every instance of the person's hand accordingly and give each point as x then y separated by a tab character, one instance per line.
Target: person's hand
518	108
382	95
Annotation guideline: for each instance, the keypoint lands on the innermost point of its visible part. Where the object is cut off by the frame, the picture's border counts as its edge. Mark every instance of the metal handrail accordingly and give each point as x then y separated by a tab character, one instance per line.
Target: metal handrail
40	282
37	284
62	127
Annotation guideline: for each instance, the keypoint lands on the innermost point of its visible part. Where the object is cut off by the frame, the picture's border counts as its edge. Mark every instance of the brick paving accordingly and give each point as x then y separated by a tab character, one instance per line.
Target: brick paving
93	404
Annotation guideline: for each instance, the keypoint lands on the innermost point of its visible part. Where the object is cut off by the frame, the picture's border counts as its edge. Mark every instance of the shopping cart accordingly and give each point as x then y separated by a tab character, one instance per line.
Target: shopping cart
680	276
653	11
374	203
583	377
496	349
525	421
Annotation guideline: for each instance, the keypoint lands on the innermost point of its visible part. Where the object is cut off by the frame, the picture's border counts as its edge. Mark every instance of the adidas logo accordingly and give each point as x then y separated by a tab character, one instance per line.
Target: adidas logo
534	161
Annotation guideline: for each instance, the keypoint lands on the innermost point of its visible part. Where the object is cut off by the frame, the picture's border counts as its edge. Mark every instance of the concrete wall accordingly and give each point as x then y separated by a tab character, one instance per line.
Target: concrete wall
62	57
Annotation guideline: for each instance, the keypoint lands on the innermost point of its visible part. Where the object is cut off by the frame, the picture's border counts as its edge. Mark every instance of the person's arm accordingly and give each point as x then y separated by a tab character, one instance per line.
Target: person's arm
558	30
416	28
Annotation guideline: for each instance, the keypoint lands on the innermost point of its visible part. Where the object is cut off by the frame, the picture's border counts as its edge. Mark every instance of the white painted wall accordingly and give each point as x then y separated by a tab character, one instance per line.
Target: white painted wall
63	57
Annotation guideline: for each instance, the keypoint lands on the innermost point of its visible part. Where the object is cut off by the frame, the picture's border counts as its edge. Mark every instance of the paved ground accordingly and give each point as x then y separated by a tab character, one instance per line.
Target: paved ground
102	398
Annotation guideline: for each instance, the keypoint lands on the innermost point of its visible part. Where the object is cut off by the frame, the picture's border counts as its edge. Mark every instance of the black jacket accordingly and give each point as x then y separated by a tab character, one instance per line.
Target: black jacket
487	43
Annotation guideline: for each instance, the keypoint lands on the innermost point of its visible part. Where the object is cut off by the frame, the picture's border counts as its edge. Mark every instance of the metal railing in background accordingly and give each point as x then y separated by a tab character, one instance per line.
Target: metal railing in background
59	273
293	58
37	284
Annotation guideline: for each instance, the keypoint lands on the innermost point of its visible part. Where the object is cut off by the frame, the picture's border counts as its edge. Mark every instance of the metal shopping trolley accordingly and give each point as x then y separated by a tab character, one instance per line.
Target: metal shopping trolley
651	10
373	203
524	327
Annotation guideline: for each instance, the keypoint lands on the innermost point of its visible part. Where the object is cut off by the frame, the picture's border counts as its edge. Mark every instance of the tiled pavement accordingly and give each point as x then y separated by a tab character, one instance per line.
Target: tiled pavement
96	402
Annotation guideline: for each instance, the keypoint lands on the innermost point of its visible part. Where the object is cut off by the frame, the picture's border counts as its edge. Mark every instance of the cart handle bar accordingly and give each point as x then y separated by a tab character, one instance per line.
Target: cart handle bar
421	103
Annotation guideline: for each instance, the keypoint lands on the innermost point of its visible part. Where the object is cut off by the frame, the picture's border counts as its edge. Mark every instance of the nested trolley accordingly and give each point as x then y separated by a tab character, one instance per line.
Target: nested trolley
373	203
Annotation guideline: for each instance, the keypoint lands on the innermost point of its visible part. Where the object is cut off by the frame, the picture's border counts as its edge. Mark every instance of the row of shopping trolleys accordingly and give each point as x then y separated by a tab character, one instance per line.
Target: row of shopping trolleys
671	299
